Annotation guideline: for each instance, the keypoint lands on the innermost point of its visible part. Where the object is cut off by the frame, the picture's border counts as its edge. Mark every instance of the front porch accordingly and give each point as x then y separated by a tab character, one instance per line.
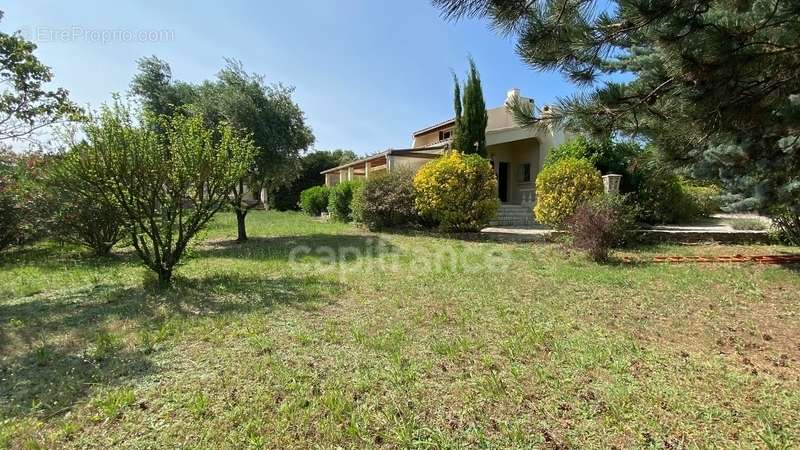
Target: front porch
516	165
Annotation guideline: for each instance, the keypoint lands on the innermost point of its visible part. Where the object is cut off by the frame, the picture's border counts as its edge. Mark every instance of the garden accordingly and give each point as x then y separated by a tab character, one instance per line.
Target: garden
173	274
408	339
137	316
457	193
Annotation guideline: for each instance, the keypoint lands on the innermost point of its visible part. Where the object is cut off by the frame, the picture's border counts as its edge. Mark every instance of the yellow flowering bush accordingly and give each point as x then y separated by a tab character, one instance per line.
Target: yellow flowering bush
563	186
458	191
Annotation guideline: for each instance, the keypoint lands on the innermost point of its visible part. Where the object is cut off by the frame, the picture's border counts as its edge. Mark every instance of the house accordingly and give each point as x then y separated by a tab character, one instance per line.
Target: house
516	153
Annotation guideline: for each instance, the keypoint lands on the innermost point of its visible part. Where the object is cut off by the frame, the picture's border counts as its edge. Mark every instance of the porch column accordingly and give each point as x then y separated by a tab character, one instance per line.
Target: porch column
366	169
342	175
389	163
328	180
350	173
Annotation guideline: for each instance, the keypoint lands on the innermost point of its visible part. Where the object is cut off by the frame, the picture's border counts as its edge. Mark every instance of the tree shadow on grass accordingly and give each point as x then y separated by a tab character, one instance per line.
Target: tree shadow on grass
49	255
57	349
328	247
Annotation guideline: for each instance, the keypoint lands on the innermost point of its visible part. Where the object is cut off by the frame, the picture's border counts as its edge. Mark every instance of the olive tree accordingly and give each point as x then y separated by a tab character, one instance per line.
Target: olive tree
167	184
276	123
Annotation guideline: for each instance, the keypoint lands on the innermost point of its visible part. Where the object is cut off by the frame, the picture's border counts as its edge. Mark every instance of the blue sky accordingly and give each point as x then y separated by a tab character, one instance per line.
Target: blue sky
367	72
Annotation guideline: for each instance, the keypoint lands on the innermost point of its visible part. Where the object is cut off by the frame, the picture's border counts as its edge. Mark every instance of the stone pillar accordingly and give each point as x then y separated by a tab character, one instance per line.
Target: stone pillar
611	183
264	197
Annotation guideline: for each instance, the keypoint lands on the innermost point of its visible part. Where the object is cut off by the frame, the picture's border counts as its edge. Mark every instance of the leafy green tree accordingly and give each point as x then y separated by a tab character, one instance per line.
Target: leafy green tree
469	133
167	186
275	122
311	166
81	213
26	105
159	93
267	113
714	83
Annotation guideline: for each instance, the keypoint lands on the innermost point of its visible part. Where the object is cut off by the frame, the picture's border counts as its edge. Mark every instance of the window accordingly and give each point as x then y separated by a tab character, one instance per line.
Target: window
444	135
525	173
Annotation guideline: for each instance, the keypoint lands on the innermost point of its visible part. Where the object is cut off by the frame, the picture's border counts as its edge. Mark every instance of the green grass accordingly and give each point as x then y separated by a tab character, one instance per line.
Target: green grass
322	335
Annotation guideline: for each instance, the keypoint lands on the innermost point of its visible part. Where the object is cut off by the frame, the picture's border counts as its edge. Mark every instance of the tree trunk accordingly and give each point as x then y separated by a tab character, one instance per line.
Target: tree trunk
164	278
102	250
241	231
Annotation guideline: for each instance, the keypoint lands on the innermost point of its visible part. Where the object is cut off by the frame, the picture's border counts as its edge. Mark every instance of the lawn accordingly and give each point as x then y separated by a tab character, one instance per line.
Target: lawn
320	334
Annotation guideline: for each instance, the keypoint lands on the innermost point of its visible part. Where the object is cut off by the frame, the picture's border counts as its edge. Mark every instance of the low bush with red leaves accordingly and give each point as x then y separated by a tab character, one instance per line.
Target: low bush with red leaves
600	225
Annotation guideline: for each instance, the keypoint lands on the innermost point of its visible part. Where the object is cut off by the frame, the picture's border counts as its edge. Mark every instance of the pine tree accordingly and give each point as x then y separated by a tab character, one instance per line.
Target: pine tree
469	133
714	84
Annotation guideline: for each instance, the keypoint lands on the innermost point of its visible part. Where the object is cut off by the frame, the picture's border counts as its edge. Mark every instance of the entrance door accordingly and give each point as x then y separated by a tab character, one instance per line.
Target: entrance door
502	181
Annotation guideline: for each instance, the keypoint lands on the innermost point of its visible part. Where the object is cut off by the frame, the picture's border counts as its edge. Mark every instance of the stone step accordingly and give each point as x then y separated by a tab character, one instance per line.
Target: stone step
514	215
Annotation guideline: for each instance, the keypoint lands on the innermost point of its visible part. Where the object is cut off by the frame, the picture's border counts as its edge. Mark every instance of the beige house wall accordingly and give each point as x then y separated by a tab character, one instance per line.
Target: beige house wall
426	139
409	162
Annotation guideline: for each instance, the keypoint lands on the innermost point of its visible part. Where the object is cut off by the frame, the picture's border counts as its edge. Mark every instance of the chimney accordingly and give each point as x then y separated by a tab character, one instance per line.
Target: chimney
511	96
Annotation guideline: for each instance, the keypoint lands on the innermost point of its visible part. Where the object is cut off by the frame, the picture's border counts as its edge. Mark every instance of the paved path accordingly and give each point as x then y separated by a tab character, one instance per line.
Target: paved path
717	228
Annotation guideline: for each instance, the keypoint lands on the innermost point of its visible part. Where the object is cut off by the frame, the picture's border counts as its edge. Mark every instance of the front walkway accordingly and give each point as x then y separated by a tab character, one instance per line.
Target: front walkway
717	228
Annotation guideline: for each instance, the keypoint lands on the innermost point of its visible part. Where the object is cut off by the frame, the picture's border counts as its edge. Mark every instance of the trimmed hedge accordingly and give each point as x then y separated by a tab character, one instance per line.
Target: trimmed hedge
458	191
314	200
341	198
563	186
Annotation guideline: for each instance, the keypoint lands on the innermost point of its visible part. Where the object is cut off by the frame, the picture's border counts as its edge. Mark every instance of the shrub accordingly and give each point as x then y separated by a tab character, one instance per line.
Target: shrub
661	196
83	215
786	222
748	224
314	200
25	210
600	224
9	214
387	200
607	156
458	191
705	199
341	198
563	186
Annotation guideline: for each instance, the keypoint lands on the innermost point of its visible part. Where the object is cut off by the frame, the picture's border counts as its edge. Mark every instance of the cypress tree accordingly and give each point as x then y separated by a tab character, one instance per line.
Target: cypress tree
469	133
457	141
